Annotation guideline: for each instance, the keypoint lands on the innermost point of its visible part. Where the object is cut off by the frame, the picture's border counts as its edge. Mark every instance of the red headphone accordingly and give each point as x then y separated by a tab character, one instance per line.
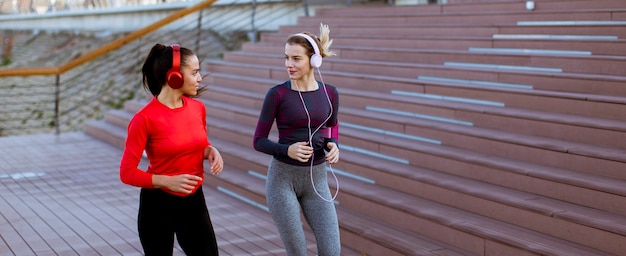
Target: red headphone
174	76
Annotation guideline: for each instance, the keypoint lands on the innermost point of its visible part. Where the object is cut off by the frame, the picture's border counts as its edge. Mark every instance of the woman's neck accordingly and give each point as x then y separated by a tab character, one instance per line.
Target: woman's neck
170	99
304	85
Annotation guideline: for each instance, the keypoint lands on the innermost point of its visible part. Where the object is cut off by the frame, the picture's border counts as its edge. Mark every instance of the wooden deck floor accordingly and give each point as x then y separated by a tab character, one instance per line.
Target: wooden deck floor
61	195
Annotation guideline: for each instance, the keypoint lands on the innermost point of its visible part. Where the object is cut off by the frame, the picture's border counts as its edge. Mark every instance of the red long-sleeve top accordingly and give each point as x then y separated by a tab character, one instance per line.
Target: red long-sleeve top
174	140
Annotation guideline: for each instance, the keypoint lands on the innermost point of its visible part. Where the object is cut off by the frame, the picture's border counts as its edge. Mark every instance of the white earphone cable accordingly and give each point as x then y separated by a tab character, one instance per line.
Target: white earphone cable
311	139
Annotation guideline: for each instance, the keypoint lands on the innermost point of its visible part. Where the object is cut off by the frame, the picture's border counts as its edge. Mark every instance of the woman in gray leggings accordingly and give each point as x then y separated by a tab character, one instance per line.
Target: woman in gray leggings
289	189
305	112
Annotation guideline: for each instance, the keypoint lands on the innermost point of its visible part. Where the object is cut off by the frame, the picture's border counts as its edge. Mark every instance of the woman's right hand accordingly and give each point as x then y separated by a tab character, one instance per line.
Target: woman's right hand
300	151
184	183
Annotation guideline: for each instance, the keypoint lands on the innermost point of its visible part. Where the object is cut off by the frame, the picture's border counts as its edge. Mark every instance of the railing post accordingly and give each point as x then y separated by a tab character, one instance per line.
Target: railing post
57	102
199	34
305	4
252	33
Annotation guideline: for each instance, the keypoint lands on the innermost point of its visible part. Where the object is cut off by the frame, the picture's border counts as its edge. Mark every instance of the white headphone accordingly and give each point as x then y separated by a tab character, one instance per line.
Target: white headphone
316	62
316	58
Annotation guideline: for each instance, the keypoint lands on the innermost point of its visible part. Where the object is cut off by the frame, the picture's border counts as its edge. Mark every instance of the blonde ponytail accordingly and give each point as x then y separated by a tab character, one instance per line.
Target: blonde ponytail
325	41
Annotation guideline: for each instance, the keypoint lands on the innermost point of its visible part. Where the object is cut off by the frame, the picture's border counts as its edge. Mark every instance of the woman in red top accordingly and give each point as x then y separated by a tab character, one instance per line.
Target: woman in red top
171	129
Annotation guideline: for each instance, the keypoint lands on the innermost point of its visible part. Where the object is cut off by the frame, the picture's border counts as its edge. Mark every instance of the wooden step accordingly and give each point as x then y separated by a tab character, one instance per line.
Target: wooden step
394	50
356	225
360	189
371	233
539	175
227	130
564	81
411	43
473	7
252	188
527	148
596	160
473	18
223	123
230	127
105	131
602	136
561	82
596	106
376	166
238	152
455	29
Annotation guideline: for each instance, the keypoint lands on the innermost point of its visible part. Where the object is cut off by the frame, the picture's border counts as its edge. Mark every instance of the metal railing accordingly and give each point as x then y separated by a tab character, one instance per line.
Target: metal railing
41	7
60	99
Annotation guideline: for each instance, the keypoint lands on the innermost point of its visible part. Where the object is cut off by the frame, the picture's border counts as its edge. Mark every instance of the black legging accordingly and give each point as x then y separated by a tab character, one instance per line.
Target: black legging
161	215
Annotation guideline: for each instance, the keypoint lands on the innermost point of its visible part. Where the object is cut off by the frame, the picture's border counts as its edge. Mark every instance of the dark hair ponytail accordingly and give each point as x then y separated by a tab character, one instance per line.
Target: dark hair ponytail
154	69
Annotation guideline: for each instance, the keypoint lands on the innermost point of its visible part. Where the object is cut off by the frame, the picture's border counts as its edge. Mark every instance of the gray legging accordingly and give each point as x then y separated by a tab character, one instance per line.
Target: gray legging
288	188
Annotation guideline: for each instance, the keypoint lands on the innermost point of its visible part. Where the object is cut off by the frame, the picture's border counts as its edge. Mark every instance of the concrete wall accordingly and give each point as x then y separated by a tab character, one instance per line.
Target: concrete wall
115	20
126	19
131	18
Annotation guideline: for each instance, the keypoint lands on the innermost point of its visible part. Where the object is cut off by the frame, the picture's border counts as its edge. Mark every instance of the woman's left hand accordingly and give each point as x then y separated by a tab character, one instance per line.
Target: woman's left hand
333	155
215	158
